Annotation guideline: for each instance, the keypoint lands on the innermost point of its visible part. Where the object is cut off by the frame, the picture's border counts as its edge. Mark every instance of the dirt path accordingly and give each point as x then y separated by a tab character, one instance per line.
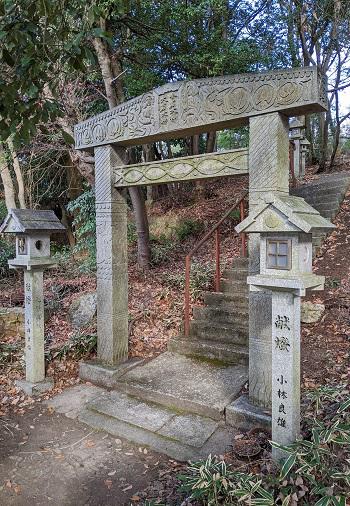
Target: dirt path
47	458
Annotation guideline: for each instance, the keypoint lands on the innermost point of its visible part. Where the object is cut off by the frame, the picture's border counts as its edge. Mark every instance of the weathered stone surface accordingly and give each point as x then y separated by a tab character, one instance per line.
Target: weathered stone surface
111	259
35	389
73	400
180	435
227	163
192	430
104	375
132	411
285	369
268	171
187	107
311	312
180	382
34	326
11	321
83	309
244	415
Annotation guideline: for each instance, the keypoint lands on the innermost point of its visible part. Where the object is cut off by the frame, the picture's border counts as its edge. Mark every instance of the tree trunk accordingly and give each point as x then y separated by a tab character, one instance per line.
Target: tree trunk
324	124
19	175
7	182
140	211
110	70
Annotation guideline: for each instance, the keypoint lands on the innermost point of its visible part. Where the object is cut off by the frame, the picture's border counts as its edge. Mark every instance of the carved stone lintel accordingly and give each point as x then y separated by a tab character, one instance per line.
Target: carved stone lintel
227	163
188	107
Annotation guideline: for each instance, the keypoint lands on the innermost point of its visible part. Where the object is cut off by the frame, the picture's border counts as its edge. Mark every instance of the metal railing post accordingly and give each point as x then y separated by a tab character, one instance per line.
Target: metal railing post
187	295
217	260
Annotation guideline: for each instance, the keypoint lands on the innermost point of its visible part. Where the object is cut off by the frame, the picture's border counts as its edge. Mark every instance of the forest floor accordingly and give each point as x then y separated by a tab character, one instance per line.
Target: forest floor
40	446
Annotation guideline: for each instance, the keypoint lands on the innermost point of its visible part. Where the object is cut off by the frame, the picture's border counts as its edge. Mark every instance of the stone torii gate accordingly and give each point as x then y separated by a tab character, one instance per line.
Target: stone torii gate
265	101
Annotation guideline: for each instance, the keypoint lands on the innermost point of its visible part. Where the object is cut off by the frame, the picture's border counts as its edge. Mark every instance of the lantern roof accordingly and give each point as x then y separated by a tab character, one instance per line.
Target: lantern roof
29	221
283	213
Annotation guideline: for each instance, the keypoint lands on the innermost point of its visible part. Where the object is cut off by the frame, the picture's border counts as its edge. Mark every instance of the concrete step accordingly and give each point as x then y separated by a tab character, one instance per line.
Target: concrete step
314	191
206	330
218	315
179	382
226	353
237	301
181	436
239	274
238	286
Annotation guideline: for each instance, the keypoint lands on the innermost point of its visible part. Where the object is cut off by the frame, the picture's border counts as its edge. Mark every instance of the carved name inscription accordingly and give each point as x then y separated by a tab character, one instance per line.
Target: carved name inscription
227	163
188	107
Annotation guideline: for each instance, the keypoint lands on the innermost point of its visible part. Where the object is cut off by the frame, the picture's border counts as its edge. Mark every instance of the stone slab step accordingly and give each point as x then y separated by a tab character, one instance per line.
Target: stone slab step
219	331
182	436
233	274
212	350
182	383
219	314
234	286
315	191
227	300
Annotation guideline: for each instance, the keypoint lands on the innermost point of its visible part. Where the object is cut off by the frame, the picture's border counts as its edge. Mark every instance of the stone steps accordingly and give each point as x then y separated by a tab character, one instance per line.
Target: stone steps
234	286
230	315
219	331
227	353
227	300
326	195
182	436
234	274
179	382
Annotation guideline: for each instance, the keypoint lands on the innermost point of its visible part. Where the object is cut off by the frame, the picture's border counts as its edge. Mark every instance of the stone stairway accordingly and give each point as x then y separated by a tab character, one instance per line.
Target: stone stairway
219	329
181	402
176	403
326	195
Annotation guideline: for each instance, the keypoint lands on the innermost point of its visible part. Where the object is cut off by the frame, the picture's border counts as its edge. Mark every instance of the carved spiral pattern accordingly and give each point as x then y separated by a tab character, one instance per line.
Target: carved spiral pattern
181	106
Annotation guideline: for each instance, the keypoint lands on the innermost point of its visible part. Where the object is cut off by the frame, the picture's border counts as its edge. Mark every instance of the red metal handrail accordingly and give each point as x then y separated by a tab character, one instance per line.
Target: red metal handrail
215	229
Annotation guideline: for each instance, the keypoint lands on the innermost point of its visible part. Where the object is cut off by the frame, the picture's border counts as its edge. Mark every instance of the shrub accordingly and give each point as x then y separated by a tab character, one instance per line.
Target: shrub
186	228
78	346
7	251
201	278
160	251
315	472
83	209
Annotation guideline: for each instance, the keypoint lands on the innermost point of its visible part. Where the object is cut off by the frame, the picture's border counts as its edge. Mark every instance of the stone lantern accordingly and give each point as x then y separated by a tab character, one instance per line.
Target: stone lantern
33	230
285	225
304	149
296	131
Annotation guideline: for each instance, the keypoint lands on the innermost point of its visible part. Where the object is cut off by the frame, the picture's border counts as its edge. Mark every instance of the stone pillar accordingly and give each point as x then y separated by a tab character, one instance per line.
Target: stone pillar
268	172
297	158
285	369
34	326
112	260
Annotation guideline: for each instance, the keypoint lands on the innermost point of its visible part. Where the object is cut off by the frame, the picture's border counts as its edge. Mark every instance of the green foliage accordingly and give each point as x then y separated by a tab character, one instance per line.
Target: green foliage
131	233
201	279
7	251
9	353
3	211
316	470
188	227
78	346
83	210
332	282
160	250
